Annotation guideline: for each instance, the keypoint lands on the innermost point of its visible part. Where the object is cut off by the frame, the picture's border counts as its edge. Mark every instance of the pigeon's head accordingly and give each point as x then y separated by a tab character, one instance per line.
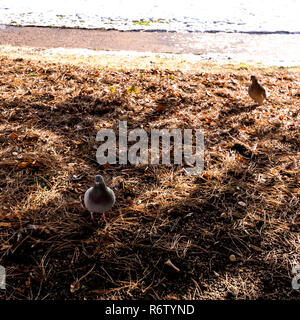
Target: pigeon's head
253	79
99	181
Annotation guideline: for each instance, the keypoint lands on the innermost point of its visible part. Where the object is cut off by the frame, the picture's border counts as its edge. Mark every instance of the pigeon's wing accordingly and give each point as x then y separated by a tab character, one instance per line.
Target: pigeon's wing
86	198
109	200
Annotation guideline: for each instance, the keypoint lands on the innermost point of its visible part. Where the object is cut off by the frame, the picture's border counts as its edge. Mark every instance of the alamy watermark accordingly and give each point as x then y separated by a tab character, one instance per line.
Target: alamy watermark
296	278
2	278
139	152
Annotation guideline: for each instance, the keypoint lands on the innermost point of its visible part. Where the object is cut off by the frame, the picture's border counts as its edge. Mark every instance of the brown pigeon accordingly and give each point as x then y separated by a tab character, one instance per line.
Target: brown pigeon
257	91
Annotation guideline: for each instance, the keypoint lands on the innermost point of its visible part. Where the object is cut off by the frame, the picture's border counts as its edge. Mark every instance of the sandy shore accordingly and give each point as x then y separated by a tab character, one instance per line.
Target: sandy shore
269	49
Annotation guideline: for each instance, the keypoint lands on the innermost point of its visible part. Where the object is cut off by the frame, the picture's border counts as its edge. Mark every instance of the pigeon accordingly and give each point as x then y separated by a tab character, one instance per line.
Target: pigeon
99	198
256	91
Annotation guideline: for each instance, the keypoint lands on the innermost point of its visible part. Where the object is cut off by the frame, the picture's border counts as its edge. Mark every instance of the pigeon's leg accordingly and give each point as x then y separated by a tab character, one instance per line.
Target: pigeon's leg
92	217
104	217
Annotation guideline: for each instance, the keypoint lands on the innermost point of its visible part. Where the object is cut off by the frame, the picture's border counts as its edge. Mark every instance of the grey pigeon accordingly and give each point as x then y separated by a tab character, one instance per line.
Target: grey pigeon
257	91
99	198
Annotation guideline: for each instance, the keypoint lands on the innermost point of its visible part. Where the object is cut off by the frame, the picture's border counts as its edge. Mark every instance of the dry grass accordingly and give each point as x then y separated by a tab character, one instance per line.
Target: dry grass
246	202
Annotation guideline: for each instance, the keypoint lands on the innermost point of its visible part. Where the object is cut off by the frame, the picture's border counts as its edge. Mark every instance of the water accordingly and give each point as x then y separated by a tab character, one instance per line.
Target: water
252	16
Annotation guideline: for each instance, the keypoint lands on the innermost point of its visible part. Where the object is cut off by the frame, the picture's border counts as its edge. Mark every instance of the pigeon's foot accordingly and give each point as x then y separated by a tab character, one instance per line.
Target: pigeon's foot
104	217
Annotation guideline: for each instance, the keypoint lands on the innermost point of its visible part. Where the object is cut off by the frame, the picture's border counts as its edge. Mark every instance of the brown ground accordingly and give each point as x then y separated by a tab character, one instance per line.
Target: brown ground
245	204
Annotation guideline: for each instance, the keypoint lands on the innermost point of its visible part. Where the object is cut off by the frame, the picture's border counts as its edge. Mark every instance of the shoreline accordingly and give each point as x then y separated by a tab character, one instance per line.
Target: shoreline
158	30
267	49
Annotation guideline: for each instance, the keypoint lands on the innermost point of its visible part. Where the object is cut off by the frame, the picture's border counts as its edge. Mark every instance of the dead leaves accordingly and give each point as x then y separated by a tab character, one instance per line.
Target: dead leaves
31	136
27	161
14	135
160	107
23	137
33	162
5	224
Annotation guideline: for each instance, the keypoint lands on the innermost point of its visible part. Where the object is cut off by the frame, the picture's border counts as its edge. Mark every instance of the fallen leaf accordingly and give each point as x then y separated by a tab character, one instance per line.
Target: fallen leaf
160	107
13	135
5	224
23	164
32	136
